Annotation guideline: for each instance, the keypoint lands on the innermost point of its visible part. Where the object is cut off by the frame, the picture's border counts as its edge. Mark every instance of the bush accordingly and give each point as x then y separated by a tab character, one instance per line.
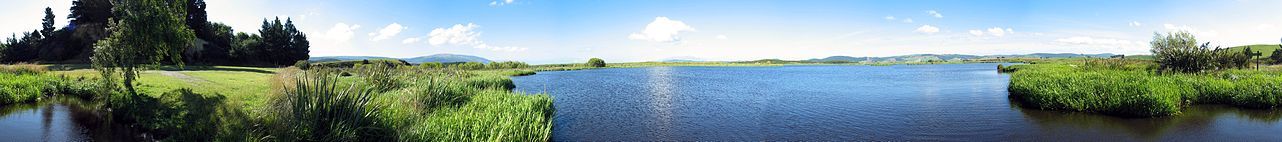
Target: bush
303	64
1179	52
596	62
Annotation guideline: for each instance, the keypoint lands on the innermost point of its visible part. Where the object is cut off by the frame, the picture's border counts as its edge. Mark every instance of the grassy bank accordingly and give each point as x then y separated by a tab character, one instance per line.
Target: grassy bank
374	102
1130	88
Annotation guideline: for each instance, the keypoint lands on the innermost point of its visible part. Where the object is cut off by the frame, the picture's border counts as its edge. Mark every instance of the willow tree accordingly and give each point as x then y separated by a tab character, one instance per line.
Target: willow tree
144	33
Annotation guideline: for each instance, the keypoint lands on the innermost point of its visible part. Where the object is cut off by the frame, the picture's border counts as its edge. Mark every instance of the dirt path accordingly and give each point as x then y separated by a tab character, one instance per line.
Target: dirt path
184	77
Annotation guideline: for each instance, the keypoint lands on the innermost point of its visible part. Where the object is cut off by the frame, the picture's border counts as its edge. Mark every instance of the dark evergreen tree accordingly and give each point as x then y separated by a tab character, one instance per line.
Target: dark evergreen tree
90	11
47	23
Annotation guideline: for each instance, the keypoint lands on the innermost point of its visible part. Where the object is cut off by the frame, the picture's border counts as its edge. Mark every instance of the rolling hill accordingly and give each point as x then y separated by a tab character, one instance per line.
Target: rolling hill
1265	50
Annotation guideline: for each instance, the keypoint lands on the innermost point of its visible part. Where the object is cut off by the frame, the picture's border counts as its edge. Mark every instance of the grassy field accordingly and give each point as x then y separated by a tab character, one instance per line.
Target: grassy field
1130	88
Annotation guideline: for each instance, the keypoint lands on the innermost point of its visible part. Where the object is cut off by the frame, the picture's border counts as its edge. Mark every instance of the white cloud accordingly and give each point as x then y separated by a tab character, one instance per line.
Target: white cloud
935	14
500	3
459	34
722	37
387	32
340	32
927	29
977	32
890	17
998	32
1191	30
908	20
662	29
411	40
463	35
1135	24
1091	41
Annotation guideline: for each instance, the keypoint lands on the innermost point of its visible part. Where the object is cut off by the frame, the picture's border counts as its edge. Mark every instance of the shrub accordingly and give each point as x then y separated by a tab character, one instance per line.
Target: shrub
596	63
302	64
1178	51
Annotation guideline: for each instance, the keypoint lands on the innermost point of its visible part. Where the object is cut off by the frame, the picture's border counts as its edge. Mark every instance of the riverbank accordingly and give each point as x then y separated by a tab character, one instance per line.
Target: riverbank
219	103
1130	88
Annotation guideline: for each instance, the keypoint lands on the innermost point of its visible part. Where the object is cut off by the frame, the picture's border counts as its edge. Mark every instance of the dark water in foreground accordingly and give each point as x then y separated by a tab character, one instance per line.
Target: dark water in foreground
42	122
957	102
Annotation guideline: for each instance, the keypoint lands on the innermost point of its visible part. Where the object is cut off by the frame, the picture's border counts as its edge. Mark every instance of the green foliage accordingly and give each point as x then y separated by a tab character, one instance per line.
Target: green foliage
1130	89
467	66
15	88
507	65
1277	59
302	64
316	108
596	62
147	32
1179	52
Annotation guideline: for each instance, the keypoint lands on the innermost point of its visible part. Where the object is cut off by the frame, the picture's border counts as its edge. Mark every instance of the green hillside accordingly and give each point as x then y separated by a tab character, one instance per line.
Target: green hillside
1265	49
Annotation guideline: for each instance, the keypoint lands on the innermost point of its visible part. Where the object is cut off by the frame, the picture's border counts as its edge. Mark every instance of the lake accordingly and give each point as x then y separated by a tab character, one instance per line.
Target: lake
949	102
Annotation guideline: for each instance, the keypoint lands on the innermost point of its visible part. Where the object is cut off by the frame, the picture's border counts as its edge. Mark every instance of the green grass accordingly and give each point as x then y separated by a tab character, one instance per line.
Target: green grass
1126	88
15	88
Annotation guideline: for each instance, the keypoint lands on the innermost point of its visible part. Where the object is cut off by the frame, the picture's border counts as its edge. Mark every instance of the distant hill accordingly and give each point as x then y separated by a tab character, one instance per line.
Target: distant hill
1265	50
442	58
447	58
950	57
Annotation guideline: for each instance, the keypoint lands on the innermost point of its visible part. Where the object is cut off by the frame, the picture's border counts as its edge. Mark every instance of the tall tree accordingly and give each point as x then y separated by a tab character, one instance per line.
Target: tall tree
90	11
47	23
298	44
197	19
147	32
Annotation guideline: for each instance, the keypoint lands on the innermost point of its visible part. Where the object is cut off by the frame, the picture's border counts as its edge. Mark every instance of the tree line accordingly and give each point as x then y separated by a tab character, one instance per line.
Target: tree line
275	44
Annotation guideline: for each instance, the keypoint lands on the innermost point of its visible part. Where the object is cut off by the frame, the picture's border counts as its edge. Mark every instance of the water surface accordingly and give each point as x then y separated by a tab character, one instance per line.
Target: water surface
954	102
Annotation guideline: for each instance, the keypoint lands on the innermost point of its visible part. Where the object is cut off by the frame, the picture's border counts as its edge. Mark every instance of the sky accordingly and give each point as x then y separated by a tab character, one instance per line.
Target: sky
567	31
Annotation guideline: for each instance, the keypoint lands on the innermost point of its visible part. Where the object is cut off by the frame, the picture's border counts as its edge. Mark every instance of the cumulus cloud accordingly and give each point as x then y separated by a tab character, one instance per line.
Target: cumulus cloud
1135	24
935	14
411	40
994	31
341	32
908	20
500	3
463	35
999	32
387	32
722	37
927	29
662	29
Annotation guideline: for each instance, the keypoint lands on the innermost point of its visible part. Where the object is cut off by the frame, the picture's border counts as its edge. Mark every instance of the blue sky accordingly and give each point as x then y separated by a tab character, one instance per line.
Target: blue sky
562	31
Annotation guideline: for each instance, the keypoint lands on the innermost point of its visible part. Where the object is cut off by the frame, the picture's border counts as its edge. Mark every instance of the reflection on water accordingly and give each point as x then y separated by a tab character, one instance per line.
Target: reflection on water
958	102
46	122
60	119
